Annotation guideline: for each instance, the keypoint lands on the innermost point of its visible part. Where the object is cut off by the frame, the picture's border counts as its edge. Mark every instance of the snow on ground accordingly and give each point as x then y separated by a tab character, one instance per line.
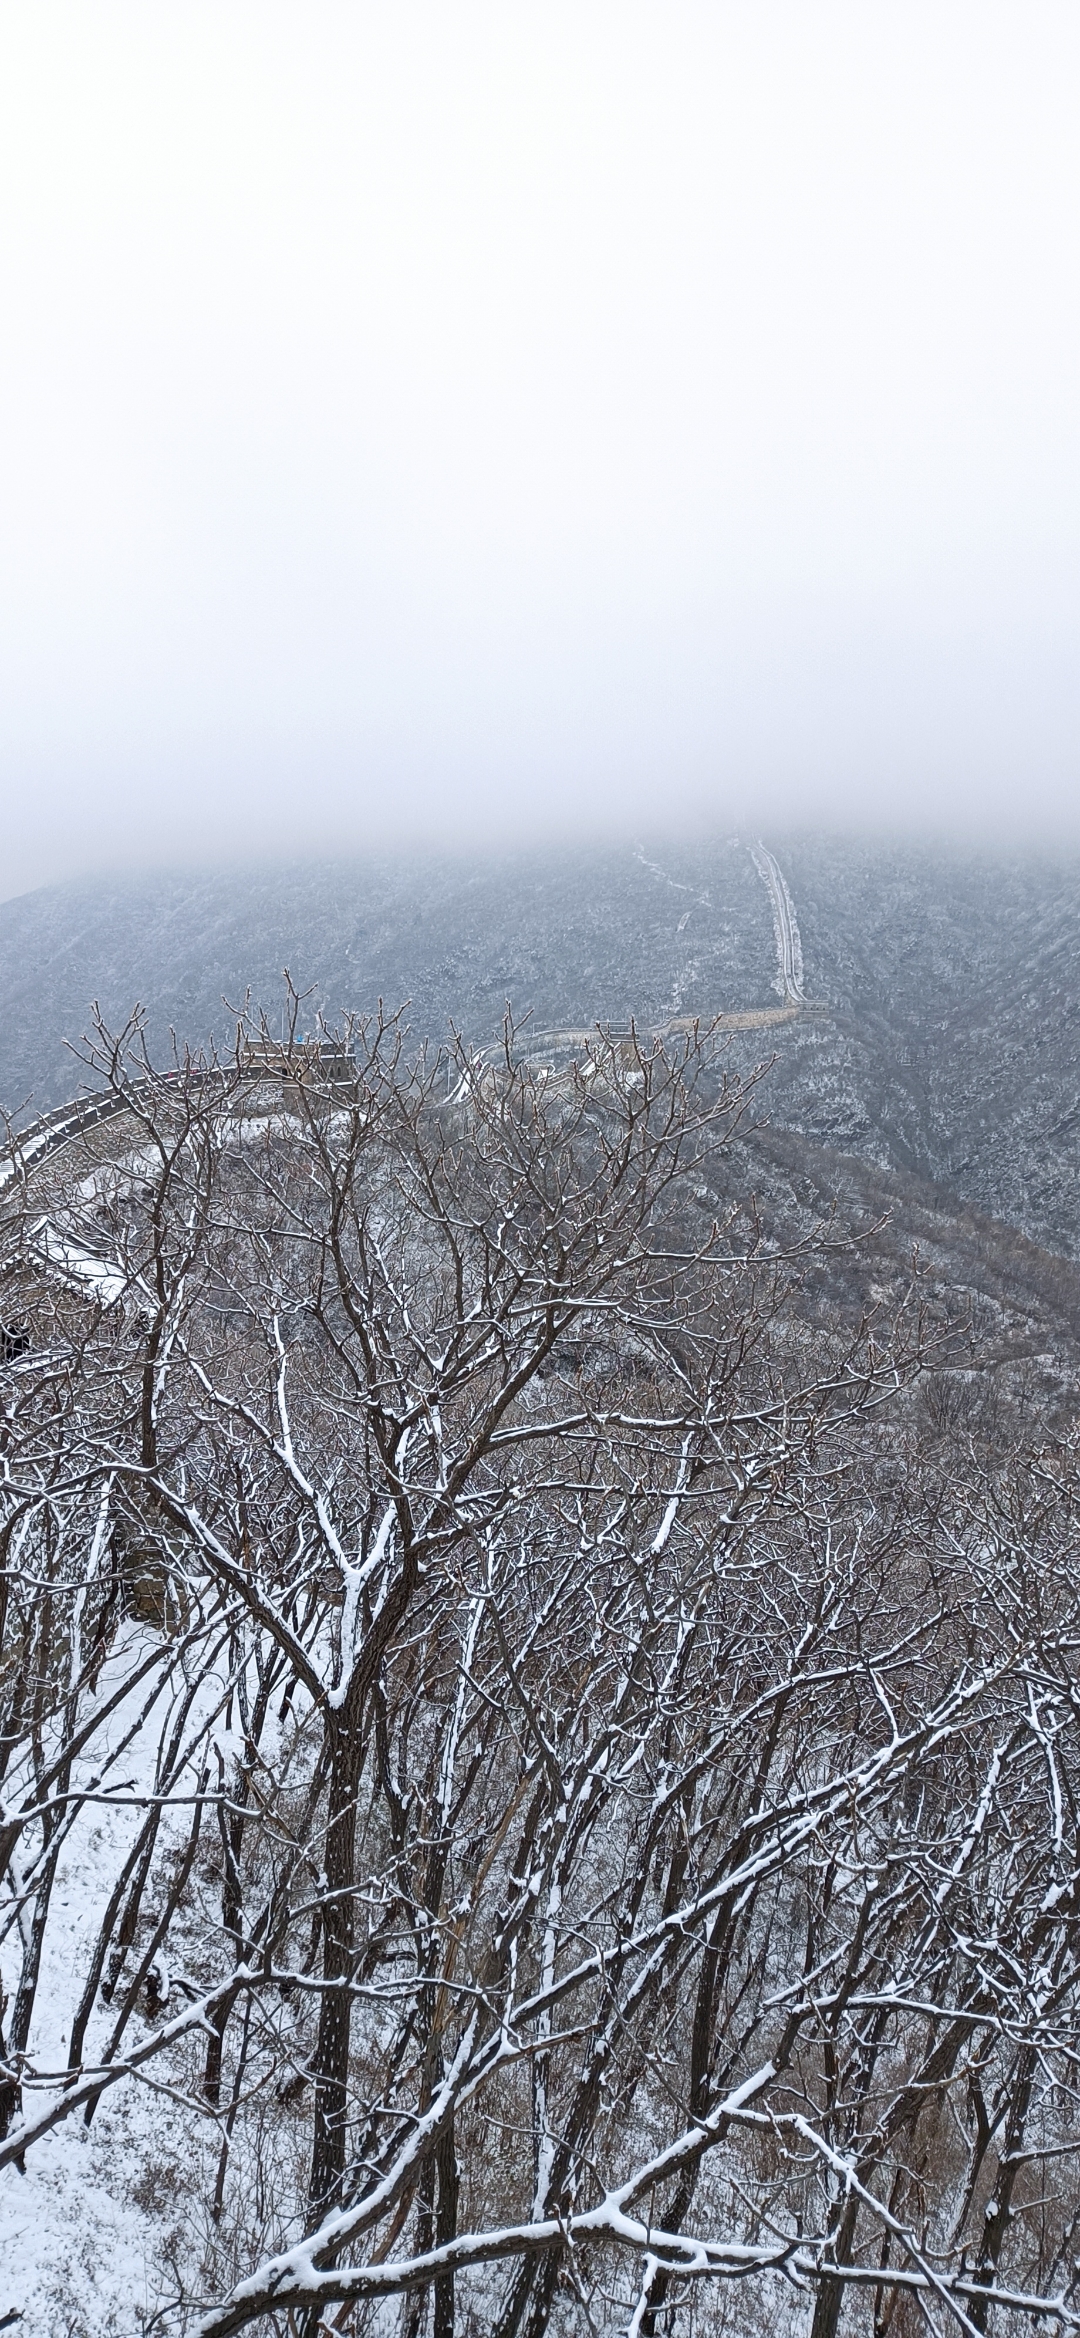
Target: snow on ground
80	1268
87	2232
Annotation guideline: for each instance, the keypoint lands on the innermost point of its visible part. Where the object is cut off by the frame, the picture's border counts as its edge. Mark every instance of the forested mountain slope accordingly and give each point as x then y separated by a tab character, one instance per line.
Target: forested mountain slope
538	1738
943	1037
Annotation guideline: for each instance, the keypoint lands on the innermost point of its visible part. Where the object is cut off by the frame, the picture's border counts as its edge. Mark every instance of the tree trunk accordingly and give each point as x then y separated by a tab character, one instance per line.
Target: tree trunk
335	2009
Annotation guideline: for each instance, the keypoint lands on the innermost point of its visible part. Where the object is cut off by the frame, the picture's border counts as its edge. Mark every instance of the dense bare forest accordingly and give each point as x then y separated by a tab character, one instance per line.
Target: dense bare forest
565	1755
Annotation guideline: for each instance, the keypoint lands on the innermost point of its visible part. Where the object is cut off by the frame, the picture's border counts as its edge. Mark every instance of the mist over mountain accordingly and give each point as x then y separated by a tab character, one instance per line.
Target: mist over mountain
939	1038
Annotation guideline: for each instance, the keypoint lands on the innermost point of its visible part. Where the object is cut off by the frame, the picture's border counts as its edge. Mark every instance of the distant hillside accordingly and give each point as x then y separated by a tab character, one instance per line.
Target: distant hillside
572	938
949	1051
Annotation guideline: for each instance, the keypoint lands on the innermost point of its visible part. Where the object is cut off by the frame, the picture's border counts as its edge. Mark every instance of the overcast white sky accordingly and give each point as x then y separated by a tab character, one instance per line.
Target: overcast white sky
505	417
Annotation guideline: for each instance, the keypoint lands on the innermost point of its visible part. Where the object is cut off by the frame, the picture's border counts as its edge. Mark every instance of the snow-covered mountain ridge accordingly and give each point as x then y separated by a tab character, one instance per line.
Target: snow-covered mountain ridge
949	1048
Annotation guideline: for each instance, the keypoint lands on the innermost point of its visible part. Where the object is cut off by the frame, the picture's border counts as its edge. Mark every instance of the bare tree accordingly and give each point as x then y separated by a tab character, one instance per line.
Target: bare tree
593	1780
